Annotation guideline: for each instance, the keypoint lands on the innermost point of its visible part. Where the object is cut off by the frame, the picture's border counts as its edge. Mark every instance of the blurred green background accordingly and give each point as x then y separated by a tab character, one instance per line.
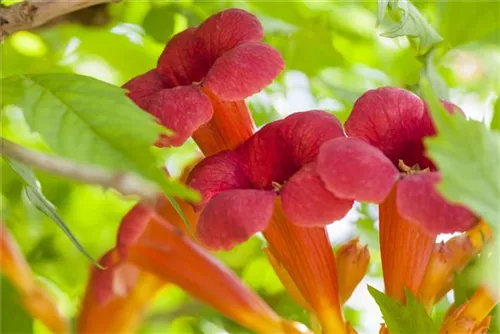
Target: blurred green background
333	53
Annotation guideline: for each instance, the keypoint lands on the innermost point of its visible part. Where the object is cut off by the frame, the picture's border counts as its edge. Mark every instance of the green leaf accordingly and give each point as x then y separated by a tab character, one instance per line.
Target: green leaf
413	24
468	156
460	25
15	319
401	319
90	121
33	191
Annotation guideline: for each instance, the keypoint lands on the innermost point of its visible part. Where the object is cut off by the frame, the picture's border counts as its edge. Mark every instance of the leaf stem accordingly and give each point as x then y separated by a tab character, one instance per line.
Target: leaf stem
124	183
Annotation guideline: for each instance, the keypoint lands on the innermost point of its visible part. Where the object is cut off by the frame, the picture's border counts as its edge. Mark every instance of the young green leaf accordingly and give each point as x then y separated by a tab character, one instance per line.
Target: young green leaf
33	191
468	156
90	121
403	319
413	24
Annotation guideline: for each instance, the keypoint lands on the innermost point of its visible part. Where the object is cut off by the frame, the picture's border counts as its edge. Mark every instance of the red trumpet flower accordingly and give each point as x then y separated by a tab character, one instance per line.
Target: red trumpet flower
386	163
239	187
202	77
258	187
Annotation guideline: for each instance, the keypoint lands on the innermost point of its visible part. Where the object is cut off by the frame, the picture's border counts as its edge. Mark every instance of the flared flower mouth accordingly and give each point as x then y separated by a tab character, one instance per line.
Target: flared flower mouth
222	59
239	187
386	128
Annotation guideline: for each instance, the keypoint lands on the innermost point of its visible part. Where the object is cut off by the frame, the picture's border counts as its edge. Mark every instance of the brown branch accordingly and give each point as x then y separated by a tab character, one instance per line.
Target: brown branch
34	13
124	183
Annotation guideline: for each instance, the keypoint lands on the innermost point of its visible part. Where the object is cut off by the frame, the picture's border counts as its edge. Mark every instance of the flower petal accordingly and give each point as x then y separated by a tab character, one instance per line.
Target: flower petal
233	216
353	169
185	59
243	71
280	148
132	225
227	29
306	202
393	120
117	279
419	202
187	265
143	87
266	158
306	131
218	173
182	109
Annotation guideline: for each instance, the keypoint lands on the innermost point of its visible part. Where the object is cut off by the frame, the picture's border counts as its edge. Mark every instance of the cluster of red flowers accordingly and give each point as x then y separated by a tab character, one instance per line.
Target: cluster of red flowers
294	176
288	180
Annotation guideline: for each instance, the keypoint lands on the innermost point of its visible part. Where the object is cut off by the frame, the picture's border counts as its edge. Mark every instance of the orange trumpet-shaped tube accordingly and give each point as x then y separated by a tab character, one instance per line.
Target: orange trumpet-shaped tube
123	313
405	249
231	125
167	253
308	258
35	299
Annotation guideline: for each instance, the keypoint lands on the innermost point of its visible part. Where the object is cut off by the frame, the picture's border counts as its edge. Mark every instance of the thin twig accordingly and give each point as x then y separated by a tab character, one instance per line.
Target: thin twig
124	183
34	13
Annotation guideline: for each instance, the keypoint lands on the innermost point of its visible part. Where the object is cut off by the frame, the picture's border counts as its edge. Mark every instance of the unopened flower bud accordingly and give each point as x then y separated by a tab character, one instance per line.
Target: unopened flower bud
352	263
438	270
471	317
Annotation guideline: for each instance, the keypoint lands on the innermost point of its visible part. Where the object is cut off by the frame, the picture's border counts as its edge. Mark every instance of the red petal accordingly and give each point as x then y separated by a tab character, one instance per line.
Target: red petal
185	59
353	169
227	29
281	148
393	120
143	87
133	224
306	202
183	110
233	216
117	279
305	132
419	201
266	158
218	173
243	71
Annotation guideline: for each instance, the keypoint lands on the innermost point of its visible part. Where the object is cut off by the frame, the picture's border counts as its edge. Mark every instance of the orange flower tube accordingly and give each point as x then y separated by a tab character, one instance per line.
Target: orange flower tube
34	298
